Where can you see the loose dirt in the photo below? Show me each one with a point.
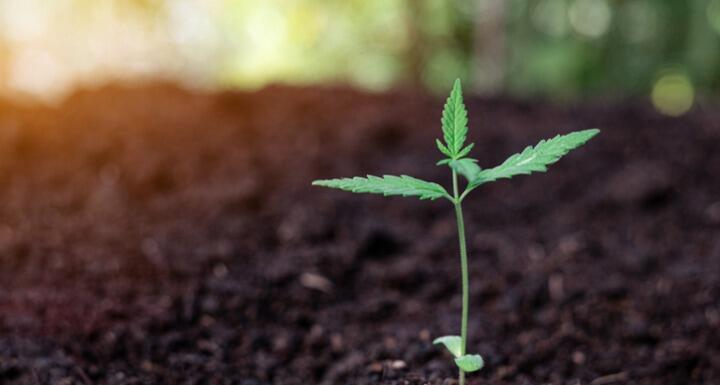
(152, 235)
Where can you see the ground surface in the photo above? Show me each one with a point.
(156, 236)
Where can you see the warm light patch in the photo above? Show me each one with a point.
(36, 71)
(49, 47)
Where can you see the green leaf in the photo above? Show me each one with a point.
(461, 155)
(466, 150)
(454, 121)
(452, 343)
(466, 167)
(443, 148)
(470, 363)
(387, 185)
(535, 159)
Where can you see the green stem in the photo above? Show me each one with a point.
(464, 271)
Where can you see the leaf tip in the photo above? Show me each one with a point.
(457, 84)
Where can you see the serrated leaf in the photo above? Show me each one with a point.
(443, 148)
(537, 158)
(387, 185)
(463, 153)
(470, 363)
(454, 121)
(452, 343)
(466, 167)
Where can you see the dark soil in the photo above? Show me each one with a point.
(150, 235)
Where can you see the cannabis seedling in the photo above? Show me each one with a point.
(454, 127)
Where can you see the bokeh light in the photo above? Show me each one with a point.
(673, 93)
(550, 16)
(590, 18)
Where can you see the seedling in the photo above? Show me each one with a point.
(454, 127)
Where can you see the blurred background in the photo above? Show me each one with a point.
(667, 51)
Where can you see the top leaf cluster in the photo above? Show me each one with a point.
(455, 128)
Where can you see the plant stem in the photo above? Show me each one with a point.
(464, 271)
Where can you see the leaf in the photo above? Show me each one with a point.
(470, 362)
(466, 150)
(466, 167)
(387, 185)
(535, 159)
(443, 148)
(454, 121)
(452, 343)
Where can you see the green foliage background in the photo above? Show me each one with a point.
(377, 43)
(558, 48)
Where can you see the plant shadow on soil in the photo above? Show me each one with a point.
(150, 235)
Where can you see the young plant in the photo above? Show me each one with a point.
(454, 127)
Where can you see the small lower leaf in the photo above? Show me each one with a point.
(470, 362)
(452, 343)
(466, 167)
(443, 148)
(465, 151)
